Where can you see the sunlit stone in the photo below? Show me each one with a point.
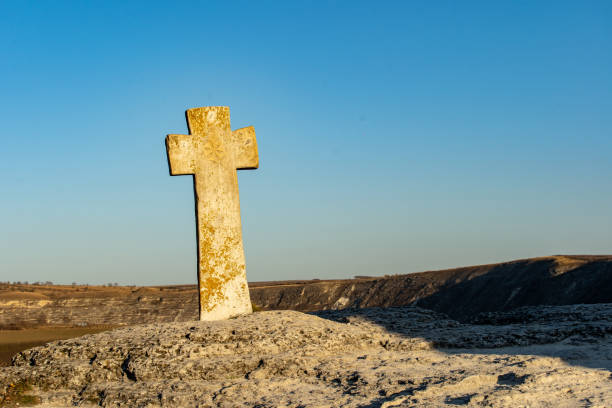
(212, 152)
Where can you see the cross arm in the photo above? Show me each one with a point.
(245, 144)
(182, 151)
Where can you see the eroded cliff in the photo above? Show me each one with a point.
(461, 293)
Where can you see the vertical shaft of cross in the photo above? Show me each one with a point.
(213, 153)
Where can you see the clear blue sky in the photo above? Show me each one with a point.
(394, 137)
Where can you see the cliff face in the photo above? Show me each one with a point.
(460, 293)
(93, 306)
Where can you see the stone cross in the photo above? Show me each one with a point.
(212, 152)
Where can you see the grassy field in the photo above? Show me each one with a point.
(14, 341)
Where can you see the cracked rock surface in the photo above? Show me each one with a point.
(406, 356)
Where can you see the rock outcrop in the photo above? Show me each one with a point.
(376, 357)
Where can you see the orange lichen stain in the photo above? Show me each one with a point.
(216, 267)
(200, 120)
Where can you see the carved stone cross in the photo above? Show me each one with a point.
(212, 152)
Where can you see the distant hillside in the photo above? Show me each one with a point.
(461, 293)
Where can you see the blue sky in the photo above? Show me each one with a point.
(394, 137)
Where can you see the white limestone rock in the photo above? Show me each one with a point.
(401, 357)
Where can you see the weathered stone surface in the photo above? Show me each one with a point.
(212, 153)
(352, 358)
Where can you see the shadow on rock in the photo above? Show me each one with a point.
(551, 281)
(577, 334)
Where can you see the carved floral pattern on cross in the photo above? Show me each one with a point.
(213, 149)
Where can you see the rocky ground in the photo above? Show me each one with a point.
(556, 356)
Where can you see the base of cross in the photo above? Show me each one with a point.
(234, 299)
